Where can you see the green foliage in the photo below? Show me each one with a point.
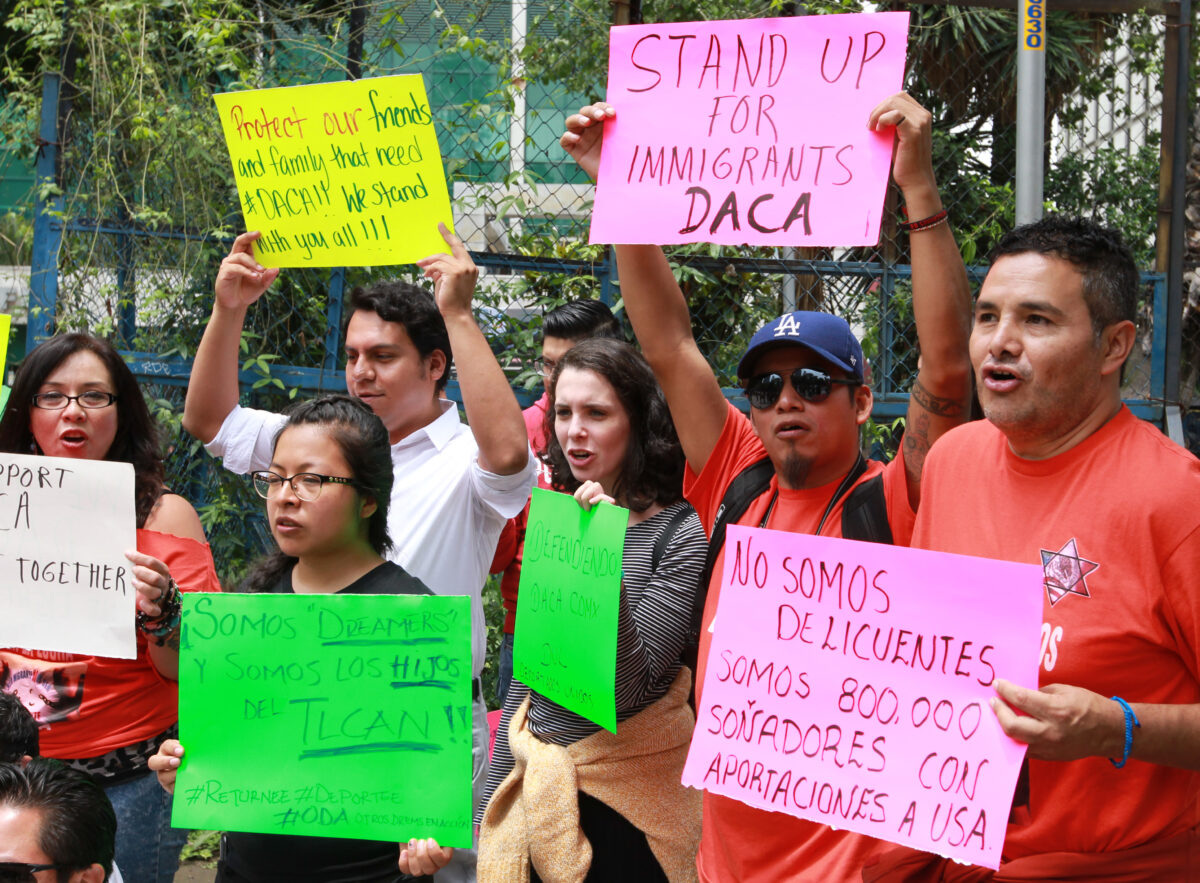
(231, 513)
(203, 847)
(16, 239)
(1115, 187)
(493, 614)
(881, 438)
(727, 301)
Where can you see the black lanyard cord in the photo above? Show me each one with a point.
(860, 466)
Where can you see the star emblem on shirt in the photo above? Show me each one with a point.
(1065, 572)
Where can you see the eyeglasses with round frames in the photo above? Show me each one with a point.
(305, 485)
(544, 366)
(93, 399)
(812, 385)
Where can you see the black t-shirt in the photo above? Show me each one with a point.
(281, 858)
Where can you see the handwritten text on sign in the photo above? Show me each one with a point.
(338, 174)
(363, 702)
(566, 633)
(748, 131)
(848, 683)
(64, 581)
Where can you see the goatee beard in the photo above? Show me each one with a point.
(793, 471)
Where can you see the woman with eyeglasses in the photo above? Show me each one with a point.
(75, 397)
(327, 492)
(566, 800)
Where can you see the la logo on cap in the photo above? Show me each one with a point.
(787, 326)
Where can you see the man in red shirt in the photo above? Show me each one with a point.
(805, 377)
(1061, 474)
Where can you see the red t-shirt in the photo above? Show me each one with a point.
(1115, 525)
(90, 705)
(739, 842)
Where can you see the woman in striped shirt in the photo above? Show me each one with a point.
(566, 800)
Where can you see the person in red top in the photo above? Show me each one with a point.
(805, 377)
(562, 328)
(75, 397)
(1062, 475)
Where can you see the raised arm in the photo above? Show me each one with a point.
(659, 314)
(213, 387)
(941, 394)
(492, 409)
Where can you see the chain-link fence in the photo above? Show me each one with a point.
(147, 205)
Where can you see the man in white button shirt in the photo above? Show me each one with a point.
(454, 490)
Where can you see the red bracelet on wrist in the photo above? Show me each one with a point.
(926, 223)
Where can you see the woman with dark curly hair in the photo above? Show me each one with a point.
(74, 396)
(565, 799)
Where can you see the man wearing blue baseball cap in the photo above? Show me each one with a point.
(805, 377)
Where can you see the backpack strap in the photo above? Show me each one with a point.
(668, 533)
(864, 516)
(747, 486)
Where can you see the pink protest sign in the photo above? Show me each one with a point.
(750, 131)
(848, 683)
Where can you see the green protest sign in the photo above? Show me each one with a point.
(332, 715)
(566, 634)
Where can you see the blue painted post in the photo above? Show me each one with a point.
(1159, 352)
(608, 275)
(47, 222)
(887, 287)
(126, 296)
(333, 313)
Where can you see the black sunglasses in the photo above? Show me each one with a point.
(812, 385)
(22, 872)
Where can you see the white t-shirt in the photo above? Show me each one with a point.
(446, 511)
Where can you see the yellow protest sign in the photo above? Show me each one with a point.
(338, 174)
(5, 330)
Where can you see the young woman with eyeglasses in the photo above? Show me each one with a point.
(327, 492)
(75, 397)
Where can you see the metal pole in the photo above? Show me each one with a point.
(1031, 109)
(517, 134)
(516, 130)
(1172, 83)
(354, 46)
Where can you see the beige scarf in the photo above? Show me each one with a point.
(534, 814)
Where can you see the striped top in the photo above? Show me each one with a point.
(653, 619)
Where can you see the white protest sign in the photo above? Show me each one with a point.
(65, 583)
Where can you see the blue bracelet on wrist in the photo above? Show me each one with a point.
(1131, 721)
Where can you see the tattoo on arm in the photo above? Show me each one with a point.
(916, 444)
(937, 405)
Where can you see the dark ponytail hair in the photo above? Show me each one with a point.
(363, 441)
(653, 468)
(136, 440)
